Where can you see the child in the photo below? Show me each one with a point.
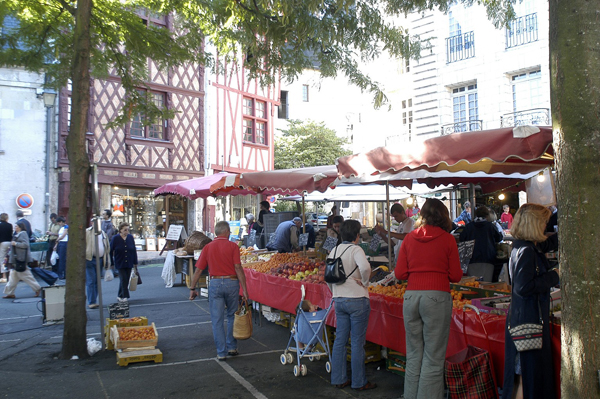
(307, 307)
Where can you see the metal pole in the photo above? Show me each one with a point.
(304, 221)
(389, 223)
(97, 231)
(472, 198)
(48, 150)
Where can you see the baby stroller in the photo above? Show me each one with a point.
(308, 330)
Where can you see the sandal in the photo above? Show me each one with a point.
(9, 297)
(368, 385)
(344, 385)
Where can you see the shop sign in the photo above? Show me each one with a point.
(25, 201)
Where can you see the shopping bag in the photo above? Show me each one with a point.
(133, 279)
(469, 374)
(54, 258)
(49, 277)
(108, 275)
(137, 272)
(242, 322)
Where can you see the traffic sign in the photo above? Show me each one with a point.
(25, 201)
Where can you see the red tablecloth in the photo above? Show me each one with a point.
(386, 322)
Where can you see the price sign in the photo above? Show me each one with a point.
(330, 243)
(119, 310)
(465, 252)
(251, 238)
(303, 240)
(271, 243)
(375, 241)
(174, 232)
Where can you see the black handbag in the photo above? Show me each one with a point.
(20, 265)
(527, 336)
(334, 269)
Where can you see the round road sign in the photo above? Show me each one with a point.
(25, 201)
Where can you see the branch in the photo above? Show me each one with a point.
(256, 10)
(68, 7)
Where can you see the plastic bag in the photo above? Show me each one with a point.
(133, 280)
(54, 258)
(93, 346)
(108, 275)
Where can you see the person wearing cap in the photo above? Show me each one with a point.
(286, 236)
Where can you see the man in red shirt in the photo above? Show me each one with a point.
(222, 257)
(506, 216)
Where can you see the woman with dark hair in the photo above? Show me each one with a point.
(20, 253)
(260, 225)
(529, 374)
(352, 308)
(124, 256)
(61, 248)
(429, 260)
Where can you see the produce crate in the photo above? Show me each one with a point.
(396, 362)
(472, 292)
(495, 286)
(137, 321)
(467, 279)
(148, 355)
(119, 344)
(488, 305)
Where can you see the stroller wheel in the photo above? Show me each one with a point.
(296, 371)
(289, 358)
(318, 357)
(283, 359)
(303, 370)
(328, 366)
(311, 358)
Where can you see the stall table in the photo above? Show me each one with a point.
(40, 248)
(386, 321)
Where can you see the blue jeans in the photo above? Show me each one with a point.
(427, 316)
(352, 320)
(223, 293)
(91, 280)
(62, 260)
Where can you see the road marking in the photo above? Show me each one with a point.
(18, 318)
(199, 360)
(241, 380)
(9, 340)
(102, 385)
(158, 328)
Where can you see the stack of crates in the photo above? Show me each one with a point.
(131, 322)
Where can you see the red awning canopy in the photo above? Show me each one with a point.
(281, 181)
(523, 149)
(200, 187)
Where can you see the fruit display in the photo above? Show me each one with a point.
(398, 290)
(129, 320)
(136, 333)
(304, 270)
(246, 251)
(474, 284)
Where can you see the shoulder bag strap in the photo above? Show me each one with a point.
(347, 248)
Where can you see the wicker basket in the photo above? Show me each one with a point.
(242, 323)
(196, 240)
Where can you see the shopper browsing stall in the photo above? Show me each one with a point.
(429, 260)
(352, 308)
(286, 236)
(529, 374)
(61, 248)
(20, 256)
(222, 257)
(486, 236)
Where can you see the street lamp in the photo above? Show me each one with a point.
(49, 96)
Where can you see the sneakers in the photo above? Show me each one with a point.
(122, 299)
(221, 358)
(233, 352)
(93, 306)
(2, 280)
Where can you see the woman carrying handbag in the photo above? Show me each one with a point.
(529, 373)
(20, 256)
(124, 255)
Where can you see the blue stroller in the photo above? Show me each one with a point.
(308, 330)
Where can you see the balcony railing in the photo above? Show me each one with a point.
(522, 30)
(460, 47)
(534, 116)
(460, 127)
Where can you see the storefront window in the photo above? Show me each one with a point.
(141, 210)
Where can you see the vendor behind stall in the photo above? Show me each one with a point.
(312, 237)
(286, 236)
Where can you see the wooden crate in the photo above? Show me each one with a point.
(118, 344)
(120, 323)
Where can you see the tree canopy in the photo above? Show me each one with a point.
(308, 144)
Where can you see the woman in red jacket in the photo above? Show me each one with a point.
(429, 260)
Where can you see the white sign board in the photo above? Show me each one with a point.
(176, 231)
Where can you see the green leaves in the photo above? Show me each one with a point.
(308, 144)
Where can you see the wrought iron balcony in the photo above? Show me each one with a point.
(460, 127)
(460, 47)
(534, 116)
(522, 30)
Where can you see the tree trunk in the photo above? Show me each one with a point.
(74, 337)
(575, 84)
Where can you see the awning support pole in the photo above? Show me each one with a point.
(389, 223)
(304, 221)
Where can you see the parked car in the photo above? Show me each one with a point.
(318, 221)
(322, 223)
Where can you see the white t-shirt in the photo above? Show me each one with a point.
(61, 231)
(357, 283)
(405, 227)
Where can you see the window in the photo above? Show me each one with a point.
(465, 108)
(305, 93)
(282, 111)
(407, 118)
(152, 129)
(254, 124)
(527, 90)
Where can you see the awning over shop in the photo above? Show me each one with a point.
(523, 149)
(200, 187)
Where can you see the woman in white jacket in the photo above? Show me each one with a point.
(352, 309)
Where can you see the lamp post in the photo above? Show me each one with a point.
(49, 97)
